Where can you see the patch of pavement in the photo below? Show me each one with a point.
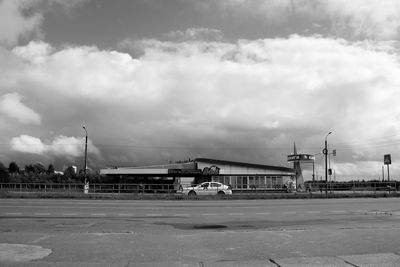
(310, 262)
(21, 252)
(379, 259)
(240, 225)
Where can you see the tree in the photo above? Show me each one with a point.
(39, 168)
(4, 175)
(50, 169)
(29, 168)
(13, 168)
(70, 173)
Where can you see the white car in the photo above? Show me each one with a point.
(207, 188)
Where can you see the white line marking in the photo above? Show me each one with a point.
(236, 214)
(263, 213)
(209, 214)
(98, 214)
(153, 214)
(181, 214)
(70, 214)
(289, 212)
(313, 211)
(41, 214)
(338, 211)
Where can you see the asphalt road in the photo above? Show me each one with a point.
(197, 233)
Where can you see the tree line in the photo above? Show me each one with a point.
(38, 173)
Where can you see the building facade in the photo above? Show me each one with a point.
(239, 175)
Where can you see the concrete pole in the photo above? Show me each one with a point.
(86, 141)
(326, 162)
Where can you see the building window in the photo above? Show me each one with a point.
(227, 180)
(261, 181)
(234, 182)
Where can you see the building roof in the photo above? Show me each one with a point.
(243, 164)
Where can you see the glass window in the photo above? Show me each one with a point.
(279, 181)
(227, 180)
(262, 181)
(239, 182)
(273, 179)
(205, 185)
(245, 179)
(234, 182)
(251, 180)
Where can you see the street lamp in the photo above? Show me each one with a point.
(326, 162)
(84, 171)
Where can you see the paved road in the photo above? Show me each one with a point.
(199, 233)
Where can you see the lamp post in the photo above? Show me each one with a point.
(326, 162)
(85, 167)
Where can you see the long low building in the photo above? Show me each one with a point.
(238, 175)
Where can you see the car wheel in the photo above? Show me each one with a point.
(192, 193)
(221, 193)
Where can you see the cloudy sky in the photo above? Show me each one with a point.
(164, 80)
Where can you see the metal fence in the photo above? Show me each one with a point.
(171, 188)
(93, 188)
(353, 186)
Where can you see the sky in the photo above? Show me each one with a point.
(156, 81)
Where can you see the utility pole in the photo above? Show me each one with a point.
(326, 162)
(313, 170)
(85, 167)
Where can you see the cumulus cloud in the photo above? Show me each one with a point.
(363, 19)
(204, 34)
(36, 51)
(11, 106)
(61, 146)
(246, 100)
(28, 144)
(20, 19)
(13, 24)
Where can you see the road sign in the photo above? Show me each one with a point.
(301, 158)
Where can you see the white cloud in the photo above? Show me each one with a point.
(13, 24)
(20, 19)
(204, 34)
(28, 144)
(11, 105)
(72, 146)
(370, 19)
(247, 100)
(61, 146)
(374, 19)
(35, 52)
